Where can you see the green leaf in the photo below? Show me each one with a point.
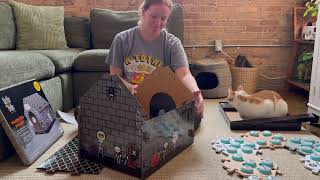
(305, 57)
(312, 8)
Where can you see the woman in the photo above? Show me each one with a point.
(136, 52)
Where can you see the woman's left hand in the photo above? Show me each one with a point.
(199, 103)
(188, 80)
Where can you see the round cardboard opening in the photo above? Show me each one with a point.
(161, 103)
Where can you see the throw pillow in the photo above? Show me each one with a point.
(39, 27)
(8, 28)
(106, 24)
(77, 30)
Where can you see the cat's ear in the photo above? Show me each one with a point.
(240, 88)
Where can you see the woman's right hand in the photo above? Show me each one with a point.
(199, 103)
(133, 88)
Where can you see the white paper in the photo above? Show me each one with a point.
(68, 118)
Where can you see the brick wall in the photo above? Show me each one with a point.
(236, 22)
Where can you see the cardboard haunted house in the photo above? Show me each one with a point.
(136, 133)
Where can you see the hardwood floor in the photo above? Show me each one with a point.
(297, 101)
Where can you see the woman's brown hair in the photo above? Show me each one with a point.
(145, 5)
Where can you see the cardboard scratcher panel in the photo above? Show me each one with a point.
(167, 83)
(312, 163)
(245, 169)
(287, 123)
(265, 139)
(228, 146)
(303, 146)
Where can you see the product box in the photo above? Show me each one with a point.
(28, 120)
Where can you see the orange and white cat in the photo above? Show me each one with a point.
(263, 104)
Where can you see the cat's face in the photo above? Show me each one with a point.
(232, 95)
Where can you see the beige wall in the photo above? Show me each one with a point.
(241, 22)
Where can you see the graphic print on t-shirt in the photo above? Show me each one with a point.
(139, 66)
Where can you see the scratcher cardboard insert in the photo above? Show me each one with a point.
(287, 123)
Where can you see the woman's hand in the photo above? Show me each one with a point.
(118, 71)
(199, 103)
(133, 88)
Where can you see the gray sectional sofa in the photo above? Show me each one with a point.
(65, 74)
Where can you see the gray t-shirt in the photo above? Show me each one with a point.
(138, 58)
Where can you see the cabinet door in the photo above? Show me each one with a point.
(314, 94)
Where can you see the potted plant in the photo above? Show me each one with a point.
(312, 8)
(304, 66)
(309, 29)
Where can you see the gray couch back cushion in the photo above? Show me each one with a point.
(92, 60)
(175, 24)
(77, 31)
(106, 24)
(7, 27)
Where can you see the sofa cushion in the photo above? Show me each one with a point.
(106, 24)
(61, 58)
(8, 27)
(92, 60)
(39, 27)
(18, 66)
(77, 30)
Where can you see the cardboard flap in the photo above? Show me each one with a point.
(160, 83)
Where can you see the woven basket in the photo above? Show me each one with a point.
(247, 77)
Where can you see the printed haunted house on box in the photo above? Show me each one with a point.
(136, 134)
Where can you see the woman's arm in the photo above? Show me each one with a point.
(114, 70)
(188, 80)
